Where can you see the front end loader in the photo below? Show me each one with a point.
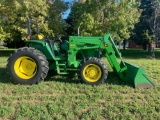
(30, 64)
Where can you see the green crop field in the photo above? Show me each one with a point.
(66, 98)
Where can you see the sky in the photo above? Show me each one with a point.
(67, 0)
(68, 11)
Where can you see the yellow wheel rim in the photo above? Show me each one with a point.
(92, 73)
(25, 67)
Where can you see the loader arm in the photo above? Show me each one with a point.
(111, 52)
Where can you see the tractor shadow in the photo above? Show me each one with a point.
(113, 79)
(72, 78)
(4, 77)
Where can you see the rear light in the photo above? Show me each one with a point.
(28, 37)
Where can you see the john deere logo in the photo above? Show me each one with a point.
(72, 45)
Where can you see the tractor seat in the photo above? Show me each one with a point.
(51, 45)
(54, 49)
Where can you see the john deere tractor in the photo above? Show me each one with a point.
(30, 64)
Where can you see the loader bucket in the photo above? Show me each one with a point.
(137, 76)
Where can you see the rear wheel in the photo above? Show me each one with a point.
(92, 71)
(27, 66)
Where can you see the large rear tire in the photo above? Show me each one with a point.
(92, 71)
(27, 66)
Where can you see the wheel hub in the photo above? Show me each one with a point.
(92, 73)
(28, 67)
(25, 67)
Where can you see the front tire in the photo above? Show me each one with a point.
(27, 66)
(92, 71)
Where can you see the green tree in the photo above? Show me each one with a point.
(142, 28)
(96, 17)
(55, 20)
(15, 12)
(13, 15)
(154, 20)
(4, 12)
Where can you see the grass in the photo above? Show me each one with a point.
(65, 97)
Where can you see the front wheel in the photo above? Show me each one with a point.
(92, 71)
(27, 66)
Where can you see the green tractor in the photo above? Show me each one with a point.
(30, 64)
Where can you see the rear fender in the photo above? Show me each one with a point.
(41, 46)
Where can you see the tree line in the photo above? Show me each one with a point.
(137, 20)
(13, 15)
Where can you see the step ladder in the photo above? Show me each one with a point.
(61, 67)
